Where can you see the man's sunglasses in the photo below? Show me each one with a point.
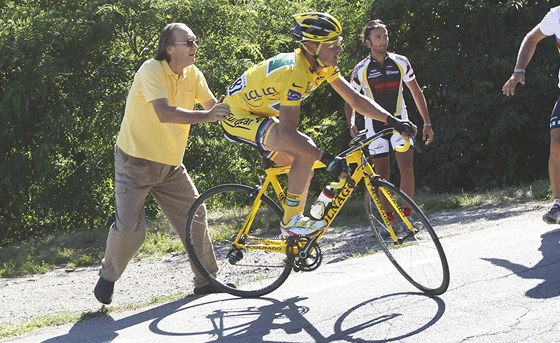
(188, 43)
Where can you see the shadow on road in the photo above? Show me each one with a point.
(255, 323)
(391, 317)
(104, 329)
(546, 269)
(395, 312)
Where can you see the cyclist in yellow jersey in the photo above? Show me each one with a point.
(265, 109)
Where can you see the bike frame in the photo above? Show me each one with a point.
(364, 171)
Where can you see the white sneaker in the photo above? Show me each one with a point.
(301, 225)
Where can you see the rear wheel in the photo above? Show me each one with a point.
(242, 272)
(416, 251)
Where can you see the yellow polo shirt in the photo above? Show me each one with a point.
(141, 134)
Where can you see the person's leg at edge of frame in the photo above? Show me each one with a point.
(176, 196)
(553, 215)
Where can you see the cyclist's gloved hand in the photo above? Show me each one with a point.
(335, 165)
(403, 126)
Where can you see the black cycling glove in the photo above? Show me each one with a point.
(335, 165)
(400, 125)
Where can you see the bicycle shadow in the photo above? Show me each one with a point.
(358, 324)
(387, 317)
(546, 269)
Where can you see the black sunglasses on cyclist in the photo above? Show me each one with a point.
(188, 43)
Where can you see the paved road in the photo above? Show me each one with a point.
(505, 287)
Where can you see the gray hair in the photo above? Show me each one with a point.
(166, 38)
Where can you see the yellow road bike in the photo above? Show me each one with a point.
(254, 260)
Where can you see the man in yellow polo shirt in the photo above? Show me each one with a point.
(149, 153)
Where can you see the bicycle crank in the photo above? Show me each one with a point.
(305, 254)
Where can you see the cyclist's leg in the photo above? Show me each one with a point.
(301, 172)
(175, 196)
(262, 133)
(285, 159)
(405, 164)
(246, 127)
(379, 150)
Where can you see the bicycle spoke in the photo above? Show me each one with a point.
(246, 264)
(416, 252)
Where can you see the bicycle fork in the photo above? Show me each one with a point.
(373, 189)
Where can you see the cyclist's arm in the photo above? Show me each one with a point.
(290, 139)
(359, 102)
(524, 56)
(178, 115)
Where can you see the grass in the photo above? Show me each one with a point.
(80, 249)
(66, 317)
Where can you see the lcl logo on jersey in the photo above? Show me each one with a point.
(255, 94)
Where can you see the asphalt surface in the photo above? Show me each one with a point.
(505, 287)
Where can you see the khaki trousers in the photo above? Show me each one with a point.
(173, 190)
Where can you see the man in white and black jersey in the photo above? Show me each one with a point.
(380, 76)
(549, 25)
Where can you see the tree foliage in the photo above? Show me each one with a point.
(462, 53)
(66, 67)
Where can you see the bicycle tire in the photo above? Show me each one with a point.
(419, 257)
(253, 273)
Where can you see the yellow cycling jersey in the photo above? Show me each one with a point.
(283, 80)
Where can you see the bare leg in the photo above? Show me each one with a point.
(301, 172)
(406, 169)
(554, 162)
(383, 167)
(284, 159)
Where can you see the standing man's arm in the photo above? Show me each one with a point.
(214, 111)
(367, 107)
(350, 119)
(524, 56)
(422, 106)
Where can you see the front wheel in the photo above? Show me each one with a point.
(413, 247)
(244, 272)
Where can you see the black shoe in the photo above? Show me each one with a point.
(210, 288)
(104, 291)
(553, 215)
